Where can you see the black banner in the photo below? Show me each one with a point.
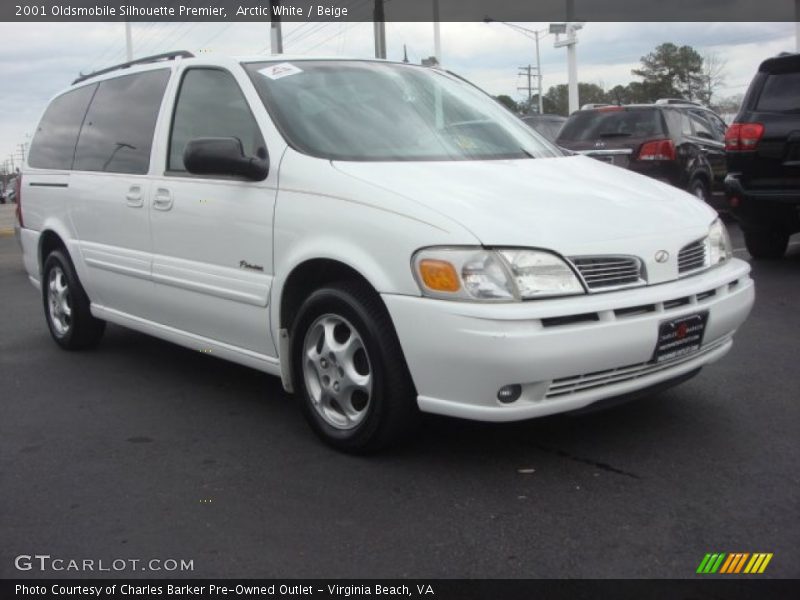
(711, 588)
(400, 10)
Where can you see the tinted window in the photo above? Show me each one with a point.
(584, 126)
(117, 134)
(686, 124)
(364, 110)
(53, 145)
(549, 128)
(210, 104)
(702, 128)
(780, 93)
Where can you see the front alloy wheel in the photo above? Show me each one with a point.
(337, 372)
(349, 370)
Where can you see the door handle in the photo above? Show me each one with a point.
(134, 197)
(162, 199)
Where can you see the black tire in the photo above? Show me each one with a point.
(79, 330)
(390, 410)
(765, 244)
(699, 189)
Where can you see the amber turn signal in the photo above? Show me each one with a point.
(439, 275)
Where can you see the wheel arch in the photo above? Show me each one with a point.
(50, 240)
(308, 276)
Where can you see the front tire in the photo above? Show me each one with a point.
(766, 244)
(354, 386)
(66, 306)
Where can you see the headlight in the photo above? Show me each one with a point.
(503, 275)
(719, 243)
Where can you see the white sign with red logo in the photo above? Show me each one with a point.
(280, 71)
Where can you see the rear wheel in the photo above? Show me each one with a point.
(766, 244)
(349, 370)
(66, 306)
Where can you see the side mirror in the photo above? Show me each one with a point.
(223, 156)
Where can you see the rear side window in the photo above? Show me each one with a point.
(780, 93)
(117, 134)
(211, 104)
(53, 145)
(591, 125)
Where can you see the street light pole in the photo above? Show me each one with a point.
(379, 25)
(533, 34)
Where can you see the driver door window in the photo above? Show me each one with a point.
(210, 104)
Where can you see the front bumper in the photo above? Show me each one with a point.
(567, 353)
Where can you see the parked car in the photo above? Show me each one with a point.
(10, 192)
(547, 125)
(763, 152)
(680, 144)
(446, 259)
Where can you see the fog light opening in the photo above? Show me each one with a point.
(509, 393)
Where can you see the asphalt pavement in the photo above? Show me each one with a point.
(145, 450)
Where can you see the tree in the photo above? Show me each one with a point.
(713, 76)
(556, 100)
(671, 71)
(728, 106)
(508, 102)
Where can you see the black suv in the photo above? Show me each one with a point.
(763, 151)
(675, 141)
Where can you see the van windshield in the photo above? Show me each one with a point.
(372, 111)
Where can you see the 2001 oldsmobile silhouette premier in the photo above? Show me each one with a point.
(384, 237)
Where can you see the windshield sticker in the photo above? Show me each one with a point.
(280, 71)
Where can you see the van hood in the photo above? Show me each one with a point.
(569, 204)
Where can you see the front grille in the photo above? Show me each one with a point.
(606, 272)
(579, 383)
(692, 257)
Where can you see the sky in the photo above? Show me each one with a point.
(37, 60)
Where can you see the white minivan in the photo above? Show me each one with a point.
(385, 237)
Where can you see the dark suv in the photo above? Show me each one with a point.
(675, 141)
(763, 150)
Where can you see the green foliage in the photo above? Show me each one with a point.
(508, 102)
(671, 71)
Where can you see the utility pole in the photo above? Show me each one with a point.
(529, 88)
(128, 42)
(379, 25)
(535, 36)
(437, 38)
(275, 32)
(797, 25)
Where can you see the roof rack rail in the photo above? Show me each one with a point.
(677, 101)
(139, 61)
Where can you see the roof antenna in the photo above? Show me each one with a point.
(405, 54)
